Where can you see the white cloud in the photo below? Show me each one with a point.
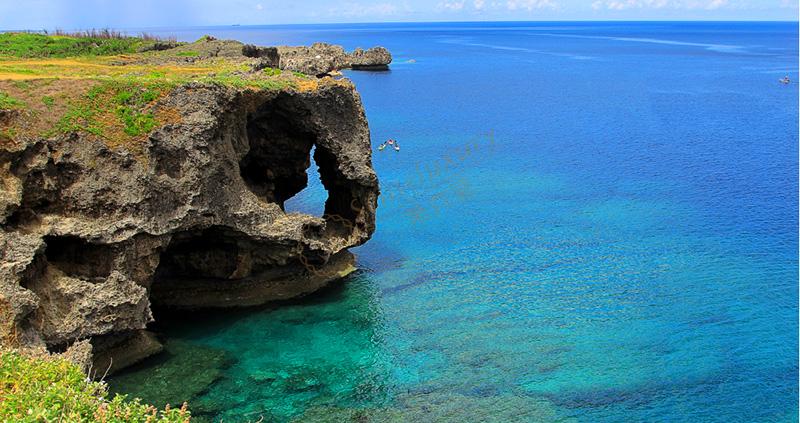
(259, 6)
(360, 10)
(530, 5)
(479, 4)
(658, 4)
(450, 5)
(788, 4)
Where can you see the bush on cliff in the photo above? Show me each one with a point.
(28, 45)
(53, 389)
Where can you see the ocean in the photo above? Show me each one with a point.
(590, 222)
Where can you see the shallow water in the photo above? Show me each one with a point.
(587, 222)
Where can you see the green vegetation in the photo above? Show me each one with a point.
(80, 117)
(8, 102)
(129, 105)
(51, 389)
(7, 134)
(272, 71)
(131, 102)
(23, 85)
(27, 45)
(84, 83)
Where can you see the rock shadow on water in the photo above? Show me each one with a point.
(271, 362)
(181, 373)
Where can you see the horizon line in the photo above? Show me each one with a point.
(422, 22)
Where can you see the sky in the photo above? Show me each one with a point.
(120, 14)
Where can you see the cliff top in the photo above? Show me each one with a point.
(108, 85)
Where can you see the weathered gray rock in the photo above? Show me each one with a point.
(322, 58)
(319, 59)
(376, 58)
(93, 235)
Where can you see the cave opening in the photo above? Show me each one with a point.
(218, 254)
(279, 153)
(285, 145)
(311, 200)
(284, 148)
(76, 257)
(211, 253)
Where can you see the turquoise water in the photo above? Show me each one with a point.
(591, 222)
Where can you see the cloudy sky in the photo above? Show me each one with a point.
(75, 14)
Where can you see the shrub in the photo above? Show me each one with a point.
(272, 71)
(8, 102)
(21, 44)
(52, 389)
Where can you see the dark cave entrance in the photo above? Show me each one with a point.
(77, 257)
(198, 266)
(212, 253)
(284, 148)
(280, 150)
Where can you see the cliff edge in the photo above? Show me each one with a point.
(159, 178)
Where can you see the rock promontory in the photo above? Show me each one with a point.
(318, 59)
(160, 178)
(321, 58)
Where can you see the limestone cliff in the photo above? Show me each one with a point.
(96, 231)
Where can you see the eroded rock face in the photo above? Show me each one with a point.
(92, 236)
(322, 58)
(315, 60)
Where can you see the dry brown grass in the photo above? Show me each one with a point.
(39, 117)
(29, 69)
(8, 328)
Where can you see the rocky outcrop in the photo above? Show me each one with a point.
(93, 236)
(322, 58)
(319, 59)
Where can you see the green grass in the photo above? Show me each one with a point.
(233, 80)
(51, 389)
(7, 102)
(127, 98)
(23, 85)
(272, 71)
(187, 54)
(80, 118)
(8, 134)
(27, 45)
(48, 101)
(129, 103)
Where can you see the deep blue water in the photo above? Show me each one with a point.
(592, 222)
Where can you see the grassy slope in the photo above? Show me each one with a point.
(26, 45)
(119, 89)
(52, 389)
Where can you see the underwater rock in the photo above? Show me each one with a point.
(179, 375)
(440, 407)
(118, 351)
